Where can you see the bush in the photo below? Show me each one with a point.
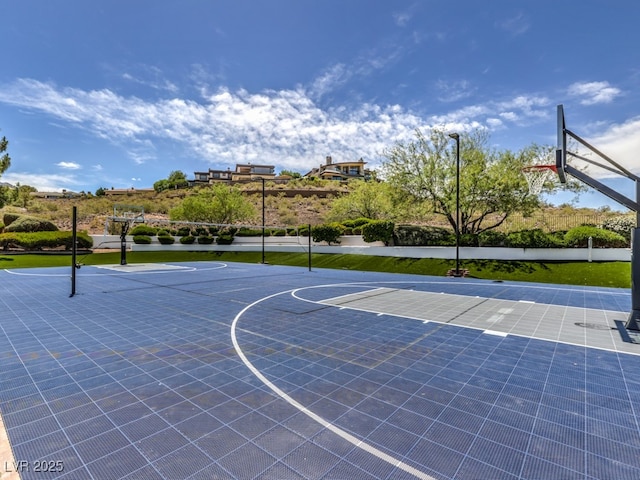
(141, 239)
(492, 238)
(205, 239)
(9, 218)
(213, 230)
(534, 238)
(143, 230)
(224, 239)
(249, 232)
(163, 233)
(326, 233)
(166, 239)
(187, 240)
(579, 237)
(378, 230)
(622, 225)
(29, 224)
(184, 232)
(201, 231)
(281, 232)
(468, 240)
(415, 236)
(358, 222)
(40, 240)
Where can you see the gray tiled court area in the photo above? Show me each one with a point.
(206, 370)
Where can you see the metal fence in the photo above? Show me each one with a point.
(546, 222)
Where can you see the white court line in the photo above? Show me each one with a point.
(119, 273)
(326, 424)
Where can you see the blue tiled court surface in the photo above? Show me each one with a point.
(207, 370)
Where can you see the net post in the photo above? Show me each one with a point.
(309, 249)
(74, 243)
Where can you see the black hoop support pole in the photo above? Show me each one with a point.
(74, 249)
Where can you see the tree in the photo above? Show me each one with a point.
(5, 163)
(220, 204)
(291, 173)
(372, 200)
(177, 179)
(23, 196)
(492, 186)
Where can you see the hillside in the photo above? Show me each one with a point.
(284, 206)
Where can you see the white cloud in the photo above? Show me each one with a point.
(453, 91)
(401, 19)
(516, 25)
(68, 165)
(594, 92)
(43, 183)
(286, 128)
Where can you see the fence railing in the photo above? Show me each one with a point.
(547, 223)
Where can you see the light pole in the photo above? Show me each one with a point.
(263, 219)
(456, 137)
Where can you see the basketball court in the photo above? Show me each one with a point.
(212, 370)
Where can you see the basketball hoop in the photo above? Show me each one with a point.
(536, 175)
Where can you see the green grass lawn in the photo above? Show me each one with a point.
(605, 274)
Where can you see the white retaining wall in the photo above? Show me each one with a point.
(355, 245)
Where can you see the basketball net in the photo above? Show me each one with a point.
(536, 175)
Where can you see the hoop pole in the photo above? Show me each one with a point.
(74, 242)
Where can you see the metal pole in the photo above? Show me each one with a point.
(456, 137)
(74, 238)
(309, 249)
(263, 219)
(457, 205)
(634, 316)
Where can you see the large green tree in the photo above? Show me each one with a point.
(374, 200)
(492, 186)
(177, 179)
(220, 204)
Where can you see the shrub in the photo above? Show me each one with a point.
(143, 230)
(378, 230)
(579, 237)
(622, 225)
(280, 232)
(40, 240)
(187, 240)
(205, 239)
(224, 239)
(142, 239)
(468, 240)
(162, 233)
(415, 236)
(492, 238)
(201, 231)
(249, 232)
(303, 231)
(213, 230)
(166, 239)
(358, 222)
(184, 232)
(534, 238)
(30, 224)
(329, 233)
(9, 218)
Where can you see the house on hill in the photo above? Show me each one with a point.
(242, 172)
(340, 171)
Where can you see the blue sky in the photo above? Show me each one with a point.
(120, 93)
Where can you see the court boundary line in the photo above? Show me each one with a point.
(355, 441)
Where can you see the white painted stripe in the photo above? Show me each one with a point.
(497, 334)
(328, 425)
